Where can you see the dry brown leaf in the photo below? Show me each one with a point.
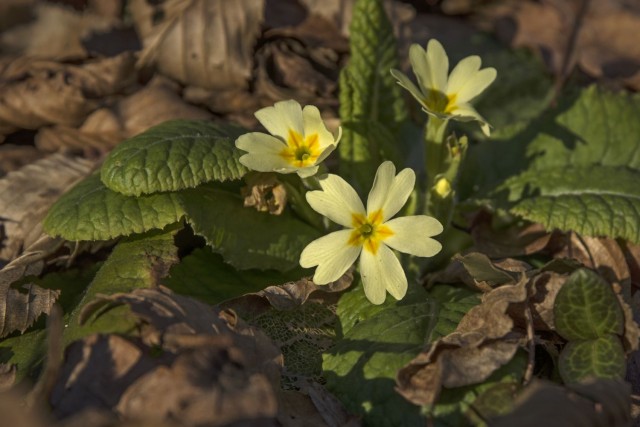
(596, 403)
(605, 46)
(27, 194)
(265, 193)
(18, 310)
(329, 407)
(7, 376)
(192, 41)
(214, 369)
(35, 93)
(484, 341)
(55, 33)
(14, 157)
(289, 69)
(69, 140)
(477, 271)
(96, 372)
(212, 385)
(157, 102)
(289, 296)
(512, 241)
(170, 318)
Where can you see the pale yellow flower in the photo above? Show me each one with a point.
(442, 96)
(370, 233)
(299, 140)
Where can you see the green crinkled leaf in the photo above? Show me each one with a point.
(571, 168)
(601, 357)
(204, 275)
(245, 237)
(172, 156)
(586, 308)
(90, 211)
(135, 262)
(370, 99)
(361, 368)
(591, 200)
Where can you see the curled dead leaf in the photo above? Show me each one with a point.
(604, 45)
(212, 371)
(27, 194)
(288, 296)
(7, 376)
(601, 402)
(512, 241)
(192, 42)
(56, 32)
(14, 157)
(157, 102)
(484, 341)
(19, 310)
(35, 93)
(265, 193)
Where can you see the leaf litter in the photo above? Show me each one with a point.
(183, 357)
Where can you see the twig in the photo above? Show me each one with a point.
(528, 374)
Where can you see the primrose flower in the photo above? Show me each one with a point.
(370, 233)
(299, 140)
(442, 96)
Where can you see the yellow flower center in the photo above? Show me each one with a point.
(369, 232)
(301, 150)
(440, 102)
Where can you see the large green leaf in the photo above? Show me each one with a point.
(371, 103)
(172, 156)
(592, 200)
(136, 262)
(204, 275)
(361, 368)
(90, 211)
(601, 357)
(586, 308)
(571, 168)
(245, 237)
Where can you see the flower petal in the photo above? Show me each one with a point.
(390, 192)
(406, 83)
(411, 235)
(258, 142)
(307, 172)
(380, 273)
(282, 117)
(332, 254)
(313, 124)
(263, 153)
(466, 113)
(462, 73)
(420, 67)
(476, 84)
(438, 62)
(337, 200)
(266, 163)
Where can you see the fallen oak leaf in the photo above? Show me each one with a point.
(483, 341)
(56, 32)
(512, 241)
(599, 402)
(192, 42)
(19, 310)
(35, 93)
(212, 371)
(27, 194)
